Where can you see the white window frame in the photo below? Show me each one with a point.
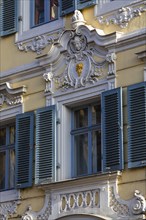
(7, 115)
(25, 32)
(64, 102)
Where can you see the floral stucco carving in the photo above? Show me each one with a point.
(37, 44)
(8, 209)
(123, 16)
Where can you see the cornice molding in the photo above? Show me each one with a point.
(11, 96)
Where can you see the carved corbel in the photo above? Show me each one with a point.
(48, 77)
(111, 59)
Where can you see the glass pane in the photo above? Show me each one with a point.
(81, 118)
(12, 169)
(2, 136)
(39, 11)
(81, 147)
(2, 170)
(12, 134)
(96, 114)
(96, 151)
(54, 9)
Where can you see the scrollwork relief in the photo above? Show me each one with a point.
(138, 205)
(123, 16)
(38, 44)
(81, 68)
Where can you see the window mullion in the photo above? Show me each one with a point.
(89, 153)
(47, 11)
(7, 164)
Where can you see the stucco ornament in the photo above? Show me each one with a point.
(139, 203)
(11, 96)
(81, 68)
(123, 16)
(48, 77)
(8, 209)
(111, 59)
(37, 44)
(77, 19)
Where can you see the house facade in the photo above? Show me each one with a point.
(72, 110)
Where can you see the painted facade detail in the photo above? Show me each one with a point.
(11, 96)
(123, 16)
(139, 203)
(43, 214)
(117, 206)
(8, 209)
(38, 44)
(85, 61)
(78, 200)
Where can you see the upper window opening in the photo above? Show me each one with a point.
(44, 11)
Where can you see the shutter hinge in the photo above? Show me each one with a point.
(58, 121)
(20, 18)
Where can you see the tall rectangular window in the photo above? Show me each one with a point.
(7, 157)
(86, 140)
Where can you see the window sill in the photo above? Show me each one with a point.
(9, 195)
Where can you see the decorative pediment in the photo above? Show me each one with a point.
(79, 58)
(11, 96)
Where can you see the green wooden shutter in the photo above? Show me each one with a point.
(24, 149)
(8, 24)
(45, 145)
(85, 3)
(67, 6)
(112, 130)
(137, 125)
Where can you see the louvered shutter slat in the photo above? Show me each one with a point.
(85, 3)
(24, 149)
(67, 6)
(45, 145)
(112, 132)
(137, 125)
(8, 17)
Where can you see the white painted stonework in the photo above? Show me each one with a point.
(98, 198)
